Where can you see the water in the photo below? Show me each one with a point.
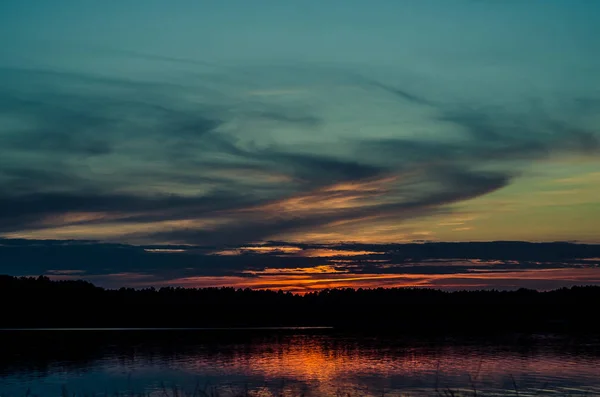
(292, 362)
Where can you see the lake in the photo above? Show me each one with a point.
(291, 362)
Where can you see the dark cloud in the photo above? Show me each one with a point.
(320, 169)
(288, 118)
(402, 94)
(241, 231)
(144, 151)
(163, 263)
(29, 212)
(255, 227)
(502, 135)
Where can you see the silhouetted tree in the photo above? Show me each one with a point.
(40, 302)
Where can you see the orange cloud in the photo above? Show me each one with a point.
(303, 280)
(327, 252)
(339, 196)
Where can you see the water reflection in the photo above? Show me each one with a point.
(293, 363)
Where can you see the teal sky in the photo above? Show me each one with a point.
(238, 122)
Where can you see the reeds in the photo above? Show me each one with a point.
(214, 391)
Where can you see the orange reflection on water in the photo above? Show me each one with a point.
(331, 365)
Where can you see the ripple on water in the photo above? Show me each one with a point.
(304, 363)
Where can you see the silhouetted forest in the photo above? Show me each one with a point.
(40, 302)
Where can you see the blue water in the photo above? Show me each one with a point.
(290, 362)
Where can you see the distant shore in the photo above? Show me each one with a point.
(39, 303)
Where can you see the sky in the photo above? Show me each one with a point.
(212, 130)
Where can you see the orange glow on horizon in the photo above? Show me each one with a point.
(319, 280)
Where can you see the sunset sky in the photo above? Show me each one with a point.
(300, 145)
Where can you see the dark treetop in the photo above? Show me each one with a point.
(40, 302)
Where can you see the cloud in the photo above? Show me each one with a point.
(289, 118)
(102, 151)
(402, 94)
(276, 264)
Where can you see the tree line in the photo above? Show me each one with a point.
(41, 302)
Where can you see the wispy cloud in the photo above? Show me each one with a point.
(82, 150)
(373, 134)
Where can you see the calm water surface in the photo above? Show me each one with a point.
(291, 362)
